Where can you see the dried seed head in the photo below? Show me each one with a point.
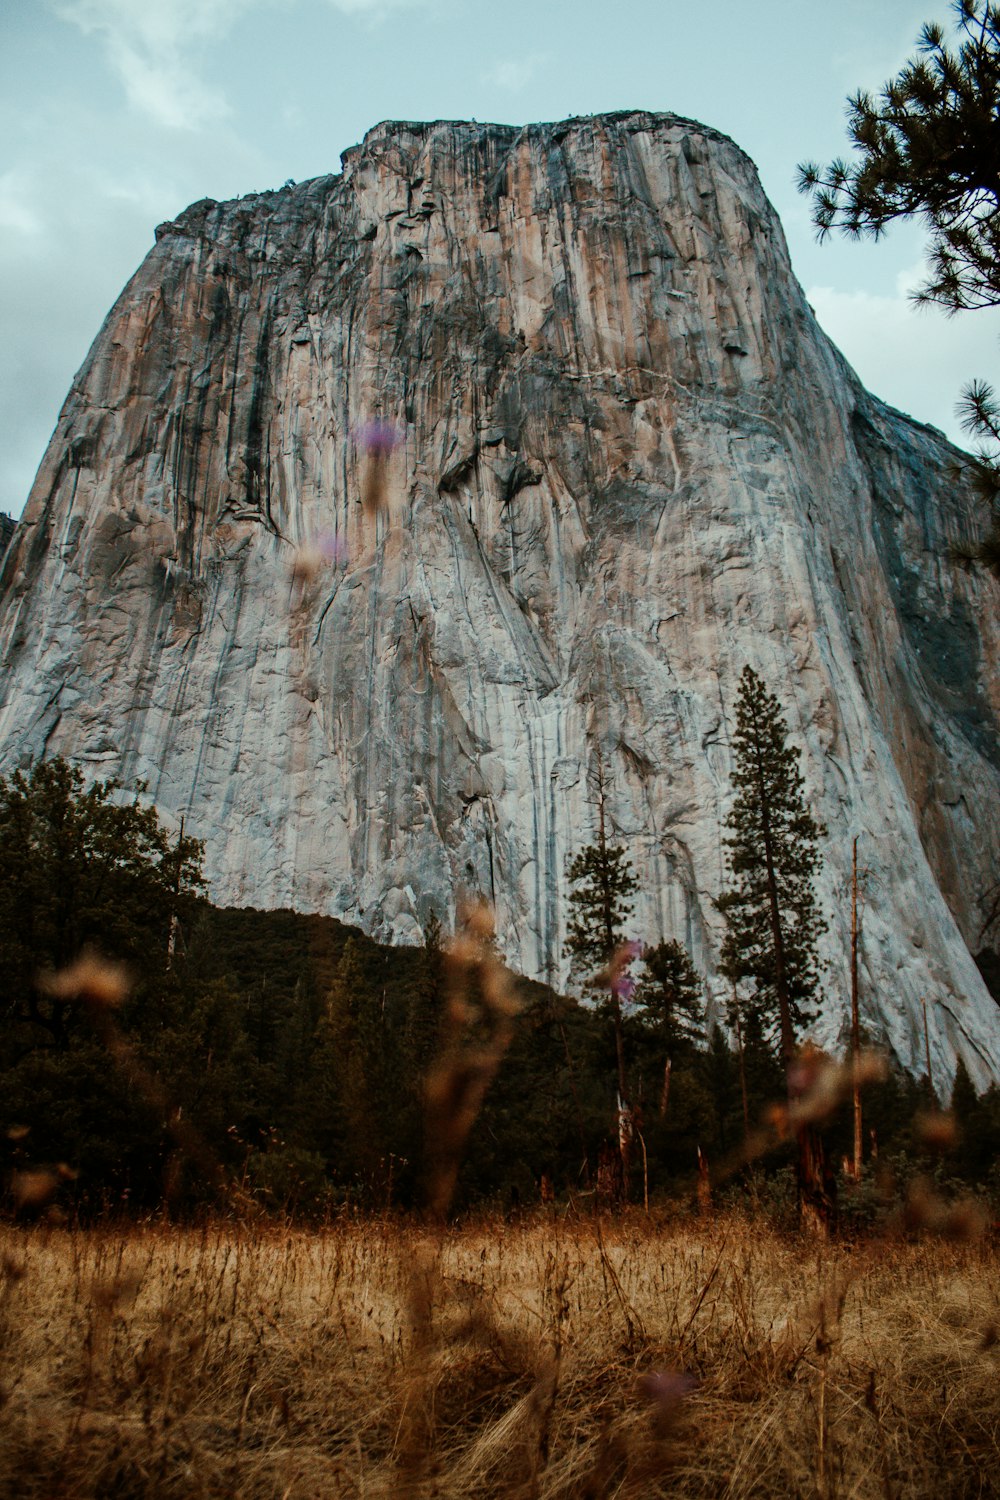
(315, 555)
(923, 1208)
(936, 1130)
(615, 976)
(498, 991)
(885, 1179)
(458, 1014)
(107, 1292)
(802, 1072)
(32, 1190)
(964, 1221)
(307, 562)
(463, 952)
(872, 1068)
(375, 488)
(92, 980)
(479, 922)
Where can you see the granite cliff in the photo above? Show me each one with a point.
(629, 462)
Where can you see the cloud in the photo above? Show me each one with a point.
(149, 45)
(152, 45)
(915, 358)
(16, 214)
(514, 72)
(375, 8)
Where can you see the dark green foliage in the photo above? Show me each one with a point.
(80, 867)
(963, 1096)
(771, 917)
(603, 884)
(928, 147)
(293, 1050)
(988, 963)
(721, 1072)
(89, 867)
(671, 996)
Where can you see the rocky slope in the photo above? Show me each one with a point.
(630, 463)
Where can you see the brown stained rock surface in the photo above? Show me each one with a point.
(629, 462)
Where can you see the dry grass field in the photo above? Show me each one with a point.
(552, 1357)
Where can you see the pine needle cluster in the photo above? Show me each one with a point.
(928, 147)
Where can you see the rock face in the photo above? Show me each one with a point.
(630, 463)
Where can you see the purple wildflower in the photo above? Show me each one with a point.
(667, 1389)
(623, 986)
(332, 547)
(378, 438)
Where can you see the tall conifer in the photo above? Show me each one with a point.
(770, 909)
(772, 920)
(603, 884)
(671, 994)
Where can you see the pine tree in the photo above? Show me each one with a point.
(927, 148)
(603, 884)
(964, 1098)
(670, 995)
(603, 881)
(771, 915)
(81, 867)
(772, 920)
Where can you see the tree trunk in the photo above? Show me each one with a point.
(817, 1183)
(665, 1091)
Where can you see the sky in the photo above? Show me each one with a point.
(115, 114)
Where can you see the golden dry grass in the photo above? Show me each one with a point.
(538, 1359)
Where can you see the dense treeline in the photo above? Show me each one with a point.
(284, 1054)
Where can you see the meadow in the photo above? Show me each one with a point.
(559, 1354)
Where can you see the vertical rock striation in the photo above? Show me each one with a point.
(630, 463)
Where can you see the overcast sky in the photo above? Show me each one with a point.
(115, 114)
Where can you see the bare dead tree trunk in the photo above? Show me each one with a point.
(665, 1091)
(704, 1185)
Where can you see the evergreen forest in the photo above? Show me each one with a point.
(158, 1053)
